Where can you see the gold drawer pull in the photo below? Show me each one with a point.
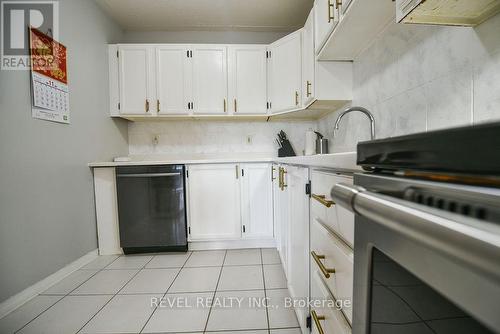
(317, 318)
(322, 199)
(283, 184)
(330, 14)
(326, 271)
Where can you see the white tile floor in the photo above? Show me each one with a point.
(114, 295)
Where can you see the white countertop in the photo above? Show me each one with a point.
(342, 161)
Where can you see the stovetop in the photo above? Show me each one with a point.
(472, 150)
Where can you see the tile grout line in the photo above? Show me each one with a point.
(65, 295)
(265, 291)
(156, 307)
(215, 292)
(138, 271)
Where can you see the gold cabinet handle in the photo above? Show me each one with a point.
(235, 106)
(317, 318)
(296, 98)
(326, 271)
(330, 14)
(338, 3)
(158, 105)
(322, 199)
(147, 105)
(283, 184)
(280, 177)
(308, 88)
(225, 105)
(237, 172)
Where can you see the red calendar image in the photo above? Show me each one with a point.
(49, 78)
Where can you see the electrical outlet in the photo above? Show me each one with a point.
(156, 140)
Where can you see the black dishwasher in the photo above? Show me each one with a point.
(151, 208)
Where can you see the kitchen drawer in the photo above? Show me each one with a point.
(333, 253)
(330, 318)
(335, 217)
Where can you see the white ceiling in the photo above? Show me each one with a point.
(236, 15)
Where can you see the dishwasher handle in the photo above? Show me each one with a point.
(148, 175)
(453, 235)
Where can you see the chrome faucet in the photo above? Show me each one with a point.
(360, 109)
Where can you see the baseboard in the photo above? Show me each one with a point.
(232, 244)
(22, 297)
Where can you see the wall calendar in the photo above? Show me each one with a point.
(49, 78)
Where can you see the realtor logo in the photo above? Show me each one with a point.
(16, 18)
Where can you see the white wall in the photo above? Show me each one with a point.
(417, 78)
(222, 37)
(214, 137)
(47, 216)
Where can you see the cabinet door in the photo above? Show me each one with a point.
(135, 79)
(173, 67)
(283, 224)
(285, 73)
(345, 5)
(256, 201)
(298, 250)
(308, 60)
(209, 79)
(214, 202)
(247, 79)
(325, 19)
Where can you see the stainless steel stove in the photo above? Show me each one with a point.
(427, 233)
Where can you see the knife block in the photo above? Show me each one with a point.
(286, 149)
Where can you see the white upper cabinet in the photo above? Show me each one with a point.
(247, 79)
(308, 60)
(256, 200)
(285, 73)
(209, 79)
(173, 79)
(214, 201)
(326, 18)
(135, 79)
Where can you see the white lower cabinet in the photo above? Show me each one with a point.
(281, 208)
(333, 254)
(325, 316)
(214, 201)
(256, 201)
(230, 201)
(323, 209)
(298, 249)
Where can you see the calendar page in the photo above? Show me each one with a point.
(49, 78)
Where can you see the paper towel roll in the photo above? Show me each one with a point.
(310, 147)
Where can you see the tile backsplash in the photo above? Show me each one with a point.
(418, 78)
(214, 137)
(413, 78)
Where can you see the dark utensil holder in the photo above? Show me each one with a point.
(286, 149)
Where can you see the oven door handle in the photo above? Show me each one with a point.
(455, 236)
(149, 174)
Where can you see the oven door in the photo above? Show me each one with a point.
(419, 269)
